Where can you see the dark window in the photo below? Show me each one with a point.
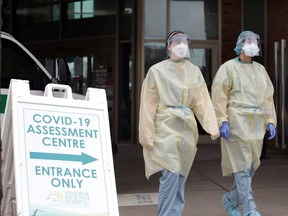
(17, 64)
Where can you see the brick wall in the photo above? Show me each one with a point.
(231, 27)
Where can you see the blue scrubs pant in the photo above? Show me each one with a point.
(171, 194)
(241, 194)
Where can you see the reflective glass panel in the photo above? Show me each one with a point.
(254, 20)
(125, 92)
(6, 20)
(102, 74)
(81, 9)
(38, 14)
(199, 19)
(154, 53)
(203, 59)
(5, 4)
(125, 21)
(32, 2)
(91, 8)
(78, 69)
(155, 19)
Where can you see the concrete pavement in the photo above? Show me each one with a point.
(205, 185)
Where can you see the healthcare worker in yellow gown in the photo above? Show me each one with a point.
(173, 95)
(242, 95)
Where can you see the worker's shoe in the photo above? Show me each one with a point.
(231, 210)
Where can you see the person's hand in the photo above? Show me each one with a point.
(271, 128)
(225, 130)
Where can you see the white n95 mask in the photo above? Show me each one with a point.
(180, 51)
(251, 50)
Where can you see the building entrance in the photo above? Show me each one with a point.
(90, 68)
(206, 57)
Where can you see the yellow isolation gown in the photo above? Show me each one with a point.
(173, 93)
(242, 95)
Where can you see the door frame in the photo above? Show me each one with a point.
(213, 45)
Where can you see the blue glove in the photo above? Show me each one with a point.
(225, 130)
(272, 130)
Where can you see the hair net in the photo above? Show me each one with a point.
(243, 35)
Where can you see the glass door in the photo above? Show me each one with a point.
(124, 92)
(205, 56)
(86, 69)
(102, 76)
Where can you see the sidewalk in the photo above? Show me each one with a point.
(205, 185)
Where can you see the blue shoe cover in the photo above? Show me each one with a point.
(256, 213)
(231, 210)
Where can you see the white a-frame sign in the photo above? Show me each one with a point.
(63, 162)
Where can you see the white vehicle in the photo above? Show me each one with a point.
(19, 63)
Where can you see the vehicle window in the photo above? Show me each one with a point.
(17, 64)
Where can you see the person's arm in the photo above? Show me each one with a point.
(269, 109)
(204, 110)
(220, 90)
(148, 106)
(269, 103)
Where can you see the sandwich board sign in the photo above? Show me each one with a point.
(63, 164)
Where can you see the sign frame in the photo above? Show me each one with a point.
(36, 150)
